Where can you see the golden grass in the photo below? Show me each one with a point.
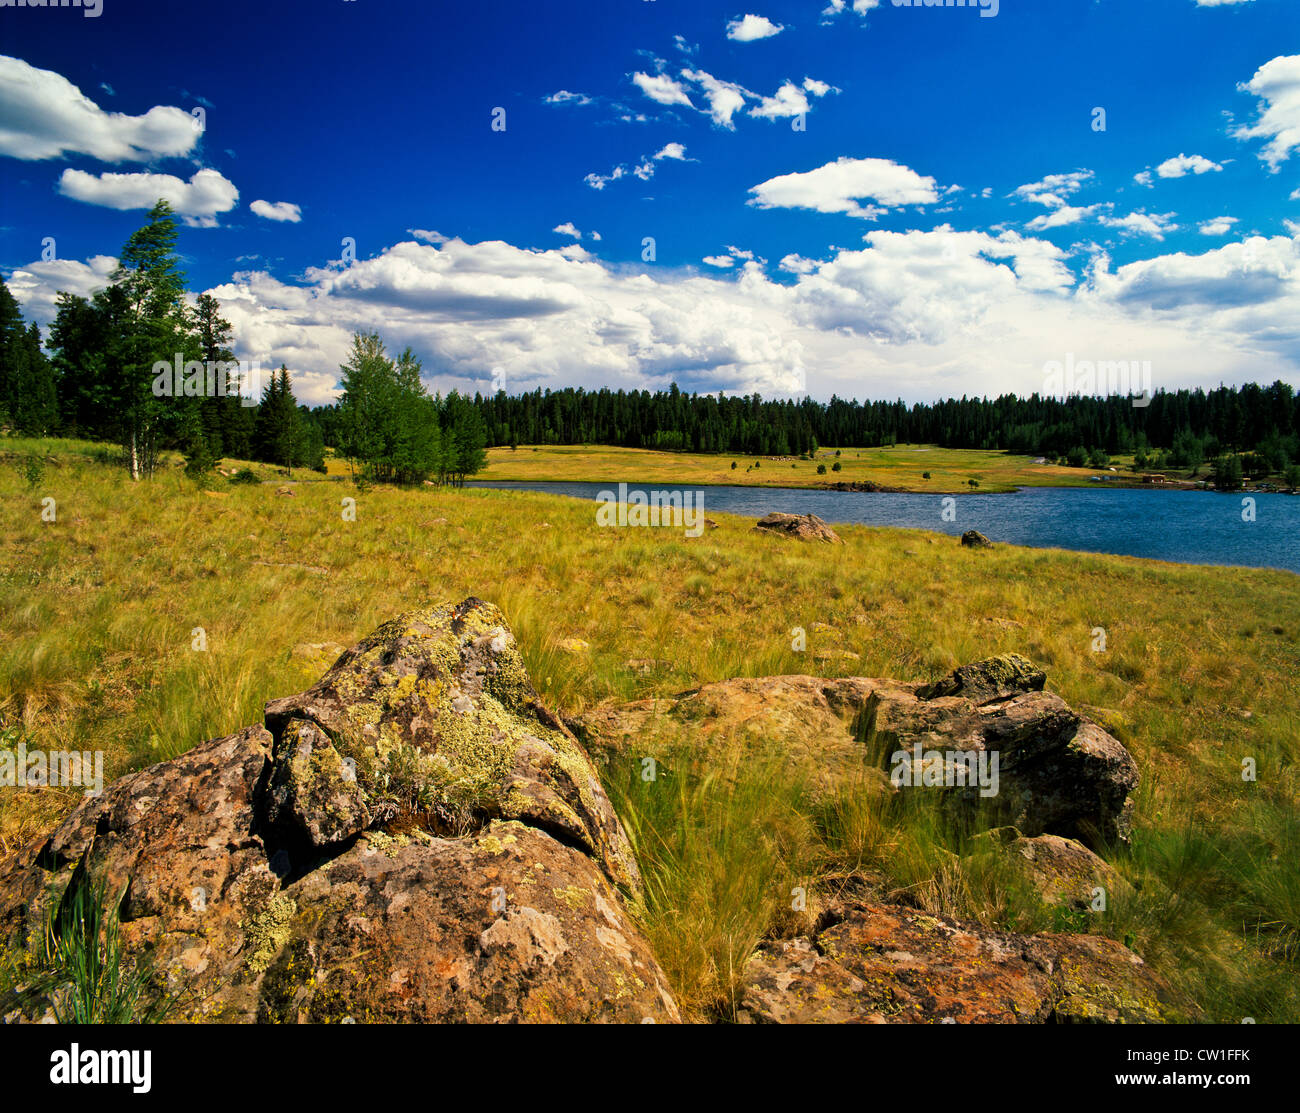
(99, 609)
(902, 467)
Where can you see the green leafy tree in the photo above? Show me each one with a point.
(392, 430)
(415, 447)
(154, 327)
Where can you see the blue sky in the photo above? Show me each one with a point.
(891, 202)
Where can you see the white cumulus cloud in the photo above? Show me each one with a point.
(725, 98)
(835, 7)
(44, 116)
(200, 200)
(840, 186)
(1219, 226)
(1142, 223)
(1186, 164)
(751, 28)
(924, 313)
(1277, 85)
(661, 89)
(283, 211)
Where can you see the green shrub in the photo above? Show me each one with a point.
(32, 470)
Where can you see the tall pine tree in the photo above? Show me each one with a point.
(280, 436)
(28, 398)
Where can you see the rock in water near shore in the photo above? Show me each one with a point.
(802, 527)
(973, 539)
(414, 838)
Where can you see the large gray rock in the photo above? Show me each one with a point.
(1058, 772)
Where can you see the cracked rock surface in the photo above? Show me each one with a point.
(415, 838)
(886, 964)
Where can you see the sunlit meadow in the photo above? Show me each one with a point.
(100, 608)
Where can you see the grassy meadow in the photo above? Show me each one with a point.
(100, 611)
(901, 468)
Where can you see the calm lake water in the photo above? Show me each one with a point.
(1190, 527)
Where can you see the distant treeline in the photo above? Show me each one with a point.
(102, 382)
(1177, 429)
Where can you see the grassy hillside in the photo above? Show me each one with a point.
(902, 468)
(100, 609)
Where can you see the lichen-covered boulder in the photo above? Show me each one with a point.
(1058, 772)
(175, 845)
(886, 964)
(801, 527)
(989, 679)
(414, 838)
(504, 924)
(1061, 871)
(433, 719)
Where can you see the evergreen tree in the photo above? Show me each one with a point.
(366, 406)
(81, 336)
(278, 436)
(228, 423)
(311, 444)
(1228, 473)
(466, 437)
(28, 396)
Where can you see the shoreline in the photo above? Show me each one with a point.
(1043, 544)
(869, 488)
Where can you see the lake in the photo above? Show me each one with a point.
(1189, 527)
